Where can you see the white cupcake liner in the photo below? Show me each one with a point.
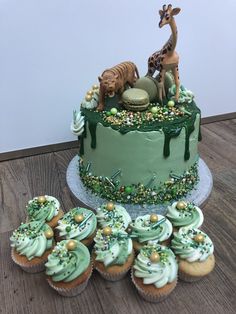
(149, 297)
(113, 277)
(71, 292)
(36, 268)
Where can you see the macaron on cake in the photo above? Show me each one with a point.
(184, 214)
(31, 243)
(114, 216)
(69, 267)
(194, 250)
(44, 208)
(150, 229)
(113, 253)
(78, 224)
(154, 273)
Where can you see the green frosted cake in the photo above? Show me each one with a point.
(138, 157)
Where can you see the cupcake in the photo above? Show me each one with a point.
(31, 243)
(114, 216)
(69, 267)
(78, 224)
(113, 253)
(184, 214)
(194, 250)
(154, 273)
(44, 208)
(150, 229)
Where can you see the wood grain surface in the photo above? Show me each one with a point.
(20, 292)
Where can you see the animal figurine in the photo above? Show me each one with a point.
(114, 80)
(167, 58)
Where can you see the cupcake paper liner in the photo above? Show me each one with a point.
(113, 277)
(72, 292)
(188, 278)
(37, 268)
(150, 297)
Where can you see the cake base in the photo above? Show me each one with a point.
(199, 195)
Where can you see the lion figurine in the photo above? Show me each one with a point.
(114, 80)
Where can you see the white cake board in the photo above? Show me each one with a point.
(199, 195)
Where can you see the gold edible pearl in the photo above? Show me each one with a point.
(79, 218)
(41, 199)
(153, 218)
(49, 234)
(88, 97)
(199, 238)
(154, 257)
(90, 92)
(181, 205)
(95, 87)
(110, 206)
(107, 231)
(71, 245)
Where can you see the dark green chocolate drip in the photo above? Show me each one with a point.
(199, 133)
(82, 137)
(189, 128)
(92, 129)
(168, 135)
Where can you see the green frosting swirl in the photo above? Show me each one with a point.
(185, 245)
(113, 249)
(43, 211)
(190, 217)
(70, 229)
(66, 265)
(157, 273)
(30, 240)
(144, 230)
(118, 218)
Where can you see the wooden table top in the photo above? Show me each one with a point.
(22, 179)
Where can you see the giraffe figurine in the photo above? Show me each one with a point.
(167, 58)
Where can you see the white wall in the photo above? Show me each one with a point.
(51, 52)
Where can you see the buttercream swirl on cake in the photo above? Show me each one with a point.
(185, 245)
(159, 273)
(117, 218)
(30, 239)
(66, 265)
(77, 124)
(191, 216)
(69, 228)
(113, 249)
(43, 211)
(144, 230)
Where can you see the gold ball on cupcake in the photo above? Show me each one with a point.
(153, 218)
(88, 97)
(94, 87)
(71, 245)
(110, 206)
(199, 238)
(107, 231)
(181, 205)
(49, 233)
(154, 257)
(90, 92)
(79, 218)
(41, 199)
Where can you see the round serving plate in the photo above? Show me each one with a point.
(198, 196)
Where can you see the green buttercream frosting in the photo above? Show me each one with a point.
(144, 230)
(66, 265)
(30, 240)
(70, 229)
(187, 247)
(43, 211)
(118, 218)
(158, 273)
(113, 249)
(190, 217)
